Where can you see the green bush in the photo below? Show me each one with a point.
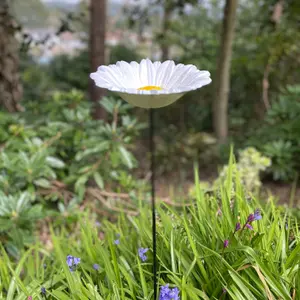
(280, 134)
(209, 250)
(251, 163)
(54, 150)
(248, 168)
(177, 151)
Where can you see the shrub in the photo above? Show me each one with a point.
(281, 135)
(249, 166)
(247, 169)
(54, 150)
(178, 151)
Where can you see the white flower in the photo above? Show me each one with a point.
(150, 84)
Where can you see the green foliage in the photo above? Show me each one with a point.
(248, 168)
(17, 219)
(281, 134)
(178, 151)
(67, 72)
(122, 52)
(36, 80)
(257, 264)
(54, 150)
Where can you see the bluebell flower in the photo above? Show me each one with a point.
(250, 218)
(237, 226)
(169, 294)
(96, 267)
(254, 217)
(142, 252)
(72, 262)
(117, 242)
(249, 226)
(76, 261)
(226, 243)
(43, 291)
(257, 215)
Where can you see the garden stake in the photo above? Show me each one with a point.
(152, 168)
(151, 85)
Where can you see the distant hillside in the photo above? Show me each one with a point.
(61, 5)
(114, 7)
(39, 14)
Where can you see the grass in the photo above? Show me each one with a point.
(262, 263)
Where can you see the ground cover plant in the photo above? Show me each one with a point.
(225, 246)
(52, 152)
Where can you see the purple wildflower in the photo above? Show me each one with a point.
(76, 260)
(169, 294)
(224, 291)
(142, 252)
(117, 242)
(254, 217)
(257, 215)
(43, 291)
(226, 242)
(249, 226)
(72, 262)
(237, 227)
(96, 267)
(250, 218)
(29, 298)
(98, 224)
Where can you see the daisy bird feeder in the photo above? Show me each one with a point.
(151, 85)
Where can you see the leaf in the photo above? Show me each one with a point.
(80, 186)
(126, 157)
(55, 162)
(42, 182)
(5, 224)
(99, 180)
(97, 149)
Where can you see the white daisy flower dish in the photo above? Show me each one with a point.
(150, 84)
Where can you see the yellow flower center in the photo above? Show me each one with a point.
(150, 88)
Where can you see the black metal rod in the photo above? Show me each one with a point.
(152, 167)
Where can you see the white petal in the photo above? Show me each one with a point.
(143, 73)
(164, 73)
(128, 74)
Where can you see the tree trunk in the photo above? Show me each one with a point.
(276, 17)
(165, 48)
(223, 72)
(97, 51)
(10, 83)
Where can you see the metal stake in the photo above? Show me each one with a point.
(152, 167)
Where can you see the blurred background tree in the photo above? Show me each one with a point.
(222, 84)
(10, 84)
